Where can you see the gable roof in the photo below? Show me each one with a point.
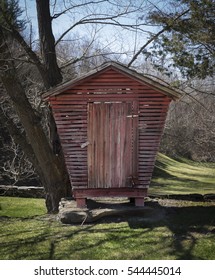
(133, 74)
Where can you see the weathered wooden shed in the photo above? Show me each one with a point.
(110, 123)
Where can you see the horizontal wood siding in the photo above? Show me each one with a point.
(71, 121)
(152, 117)
(70, 110)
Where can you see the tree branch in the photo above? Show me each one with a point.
(155, 37)
(76, 60)
(100, 20)
(77, 6)
(32, 55)
(21, 139)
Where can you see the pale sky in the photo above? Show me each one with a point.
(117, 39)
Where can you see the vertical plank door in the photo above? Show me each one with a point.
(112, 153)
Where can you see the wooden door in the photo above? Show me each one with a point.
(112, 149)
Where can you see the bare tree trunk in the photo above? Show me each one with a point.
(47, 42)
(51, 168)
(48, 53)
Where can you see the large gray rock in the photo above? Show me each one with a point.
(69, 213)
(70, 216)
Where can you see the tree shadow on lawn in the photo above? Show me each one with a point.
(29, 242)
(163, 177)
(187, 224)
(182, 226)
(182, 185)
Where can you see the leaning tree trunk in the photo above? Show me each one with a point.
(50, 167)
(54, 77)
(34, 142)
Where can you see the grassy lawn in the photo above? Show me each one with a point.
(182, 177)
(178, 229)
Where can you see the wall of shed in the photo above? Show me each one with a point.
(71, 116)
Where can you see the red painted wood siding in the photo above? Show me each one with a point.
(71, 121)
(71, 114)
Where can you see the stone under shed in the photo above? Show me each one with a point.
(110, 123)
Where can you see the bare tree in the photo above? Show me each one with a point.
(17, 167)
(190, 130)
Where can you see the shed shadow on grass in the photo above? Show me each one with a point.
(185, 225)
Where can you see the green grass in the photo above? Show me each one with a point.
(186, 231)
(176, 230)
(19, 208)
(182, 177)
